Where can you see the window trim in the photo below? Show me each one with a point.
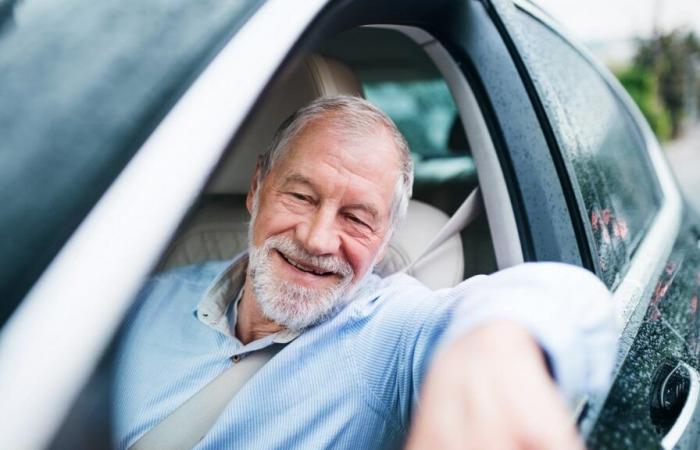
(72, 307)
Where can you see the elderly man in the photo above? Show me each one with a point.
(351, 351)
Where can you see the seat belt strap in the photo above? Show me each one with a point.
(470, 209)
(190, 422)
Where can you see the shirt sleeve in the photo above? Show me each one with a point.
(567, 309)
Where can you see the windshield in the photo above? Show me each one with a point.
(83, 84)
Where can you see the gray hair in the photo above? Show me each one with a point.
(358, 116)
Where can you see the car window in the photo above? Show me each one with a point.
(603, 151)
(425, 112)
(409, 88)
(218, 225)
(82, 85)
(422, 109)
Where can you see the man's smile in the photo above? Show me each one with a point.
(304, 267)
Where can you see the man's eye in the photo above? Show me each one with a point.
(356, 220)
(302, 197)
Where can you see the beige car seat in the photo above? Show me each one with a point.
(219, 228)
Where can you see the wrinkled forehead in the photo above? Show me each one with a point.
(344, 127)
(328, 156)
(355, 135)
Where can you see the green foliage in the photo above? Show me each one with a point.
(640, 83)
(672, 60)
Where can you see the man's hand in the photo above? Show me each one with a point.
(491, 390)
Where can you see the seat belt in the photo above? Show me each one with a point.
(190, 422)
(469, 210)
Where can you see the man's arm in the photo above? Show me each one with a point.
(490, 387)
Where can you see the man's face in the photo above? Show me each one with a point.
(323, 213)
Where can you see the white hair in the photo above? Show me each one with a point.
(357, 118)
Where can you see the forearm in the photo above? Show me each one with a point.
(565, 310)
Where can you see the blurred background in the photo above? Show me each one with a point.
(653, 47)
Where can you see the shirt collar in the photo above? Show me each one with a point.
(226, 291)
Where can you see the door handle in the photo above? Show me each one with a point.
(674, 404)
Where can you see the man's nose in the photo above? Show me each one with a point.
(319, 234)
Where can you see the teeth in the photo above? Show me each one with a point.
(304, 268)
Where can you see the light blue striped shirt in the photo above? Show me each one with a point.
(351, 381)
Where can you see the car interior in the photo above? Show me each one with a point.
(390, 69)
(408, 74)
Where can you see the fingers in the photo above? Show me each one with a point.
(491, 390)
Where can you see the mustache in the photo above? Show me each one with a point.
(292, 249)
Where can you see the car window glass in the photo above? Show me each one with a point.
(422, 109)
(425, 112)
(444, 171)
(603, 151)
(82, 85)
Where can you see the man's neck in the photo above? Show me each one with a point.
(251, 323)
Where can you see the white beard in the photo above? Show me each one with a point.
(293, 306)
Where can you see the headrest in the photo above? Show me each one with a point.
(443, 267)
(316, 76)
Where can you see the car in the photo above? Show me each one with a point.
(130, 131)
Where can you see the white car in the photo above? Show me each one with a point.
(129, 131)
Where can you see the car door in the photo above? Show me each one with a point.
(634, 233)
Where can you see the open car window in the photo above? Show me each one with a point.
(216, 229)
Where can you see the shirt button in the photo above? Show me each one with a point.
(236, 358)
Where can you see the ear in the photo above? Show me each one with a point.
(253, 187)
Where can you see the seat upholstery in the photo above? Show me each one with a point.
(316, 76)
(217, 231)
(441, 268)
(219, 228)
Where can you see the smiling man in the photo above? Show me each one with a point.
(352, 353)
(321, 214)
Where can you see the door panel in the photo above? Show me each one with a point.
(668, 334)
